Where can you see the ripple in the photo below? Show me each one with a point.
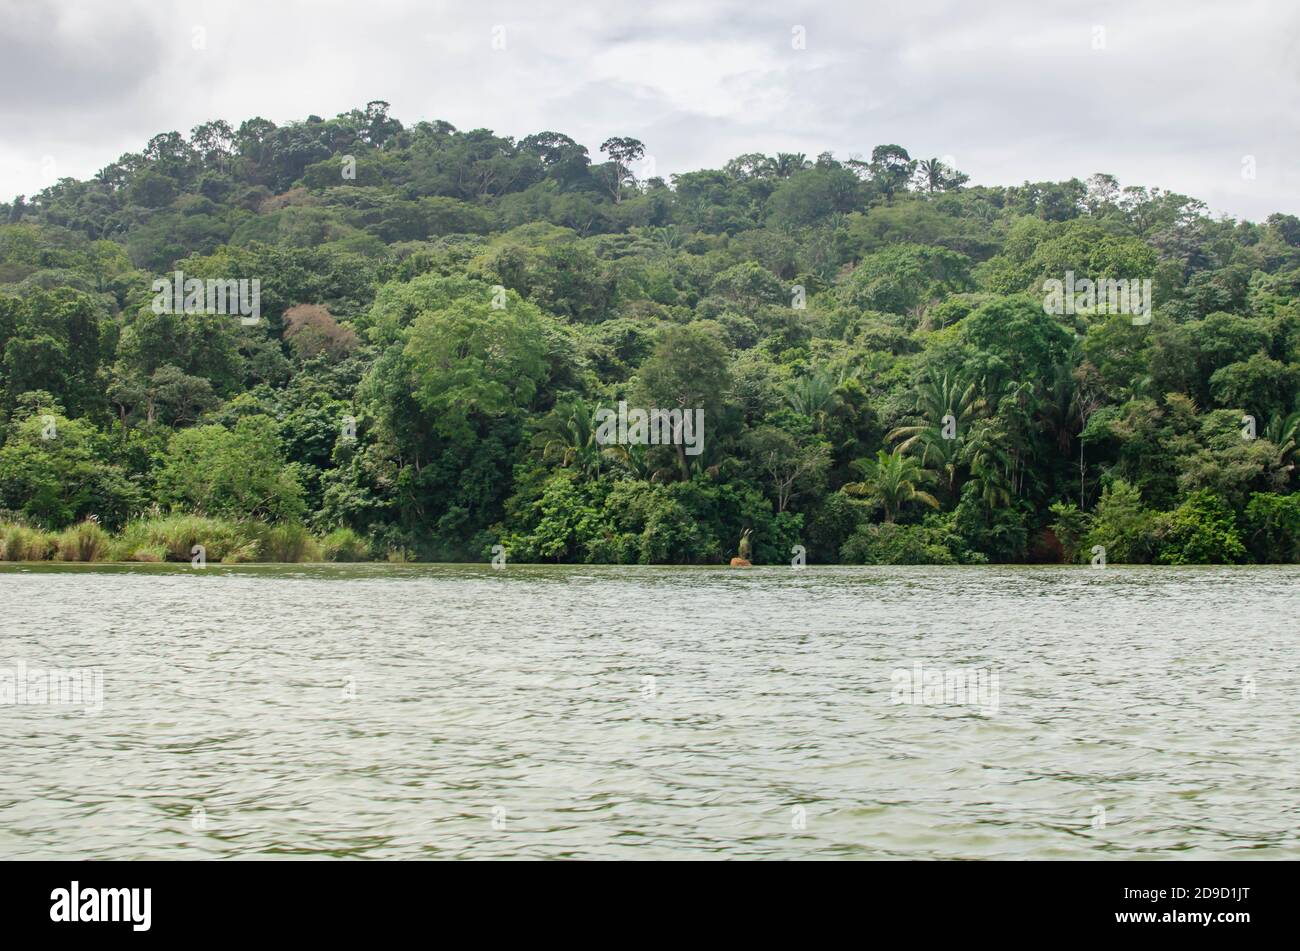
(375, 711)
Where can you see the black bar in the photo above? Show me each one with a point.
(334, 900)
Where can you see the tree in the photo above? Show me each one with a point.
(946, 408)
(1069, 526)
(813, 197)
(175, 398)
(687, 370)
(1122, 525)
(793, 467)
(893, 480)
(239, 473)
(470, 358)
(213, 142)
(788, 163)
(1272, 527)
(1201, 531)
(934, 176)
(906, 279)
(53, 340)
(890, 169)
(1259, 386)
(815, 395)
(312, 330)
(622, 153)
(567, 435)
(56, 471)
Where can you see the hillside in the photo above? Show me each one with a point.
(442, 316)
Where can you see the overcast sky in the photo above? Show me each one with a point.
(1178, 95)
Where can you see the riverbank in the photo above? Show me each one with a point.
(184, 538)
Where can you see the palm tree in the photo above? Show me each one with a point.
(815, 396)
(931, 173)
(1019, 415)
(950, 395)
(937, 177)
(665, 240)
(568, 434)
(991, 466)
(934, 401)
(1284, 432)
(787, 163)
(892, 479)
(636, 461)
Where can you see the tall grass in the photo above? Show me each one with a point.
(174, 538)
(343, 544)
(289, 542)
(23, 543)
(83, 542)
(156, 538)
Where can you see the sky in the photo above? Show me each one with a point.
(1197, 97)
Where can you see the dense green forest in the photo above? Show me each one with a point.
(444, 312)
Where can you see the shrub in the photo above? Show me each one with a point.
(893, 544)
(289, 542)
(1069, 526)
(830, 524)
(83, 542)
(1273, 527)
(1201, 531)
(1122, 525)
(173, 538)
(933, 542)
(231, 473)
(343, 544)
(21, 543)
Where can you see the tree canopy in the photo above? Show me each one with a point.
(444, 312)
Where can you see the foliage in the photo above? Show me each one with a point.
(235, 473)
(1122, 525)
(866, 339)
(1272, 527)
(932, 542)
(1201, 531)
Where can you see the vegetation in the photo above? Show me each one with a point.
(443, 314)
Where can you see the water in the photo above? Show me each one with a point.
(580, 712)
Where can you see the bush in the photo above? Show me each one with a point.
(830, 525)
(1000, 534)
(1122, 525)
(1069, 526)
(343, 544)
(933, 542)
(21, 543)
(231, 473)
(84, 542)
(1201, 531)
(173, 538)
(1273, 527)
(289, 542)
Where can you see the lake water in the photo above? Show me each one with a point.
(380, 711)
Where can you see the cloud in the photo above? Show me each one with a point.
(1165, 95)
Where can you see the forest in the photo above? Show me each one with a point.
(444, 314)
